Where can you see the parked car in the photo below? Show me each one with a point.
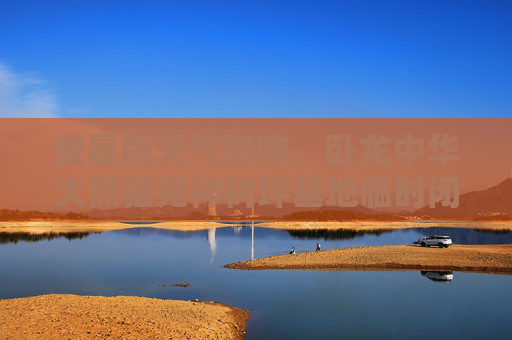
(435, 240)
(438, 276)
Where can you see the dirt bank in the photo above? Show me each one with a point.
(126, 317)
(464, 258)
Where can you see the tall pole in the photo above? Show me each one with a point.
(252, 240)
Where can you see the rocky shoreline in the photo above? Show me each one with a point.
(123, 317)
(494, 259)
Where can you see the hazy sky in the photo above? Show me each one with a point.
(256, 58)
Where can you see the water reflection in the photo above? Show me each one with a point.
(470, 236)
(458, 235)
(212, 242)
(238, 229)
(283, 304)
(438, 276)
(331, 238)
(328, 234)
(6, 238)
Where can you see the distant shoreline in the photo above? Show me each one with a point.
(41, 227)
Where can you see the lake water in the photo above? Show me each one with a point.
(283, 304)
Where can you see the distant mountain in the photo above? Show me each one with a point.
(170, 212)
(341, 216)
(482, 205)
(136, 213)
(17, 215)
(357, 209)
(491, 204)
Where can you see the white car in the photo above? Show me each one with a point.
(435, 240)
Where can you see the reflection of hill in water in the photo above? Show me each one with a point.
(470, 236)
(229, 232)
(6, 238)
(458, 235)
(327, 234)
(155, 231)
(245, 233)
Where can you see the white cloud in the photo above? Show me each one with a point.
(24, 95)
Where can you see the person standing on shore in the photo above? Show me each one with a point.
(318, 247)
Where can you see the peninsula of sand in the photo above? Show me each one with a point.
(122, 317)
(495, 259)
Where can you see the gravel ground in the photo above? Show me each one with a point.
(464, 258)
(122, 317)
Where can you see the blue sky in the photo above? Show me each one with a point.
(256, 58)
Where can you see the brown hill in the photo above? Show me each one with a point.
(169, 212)
(17, 215)
(495, 201)
(340, 216)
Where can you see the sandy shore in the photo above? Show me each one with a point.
(45, 227)
(462, 258)
(126, 317)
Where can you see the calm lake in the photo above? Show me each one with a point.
(283, 304)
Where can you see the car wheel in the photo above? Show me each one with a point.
(441, 245)
(423, 244)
